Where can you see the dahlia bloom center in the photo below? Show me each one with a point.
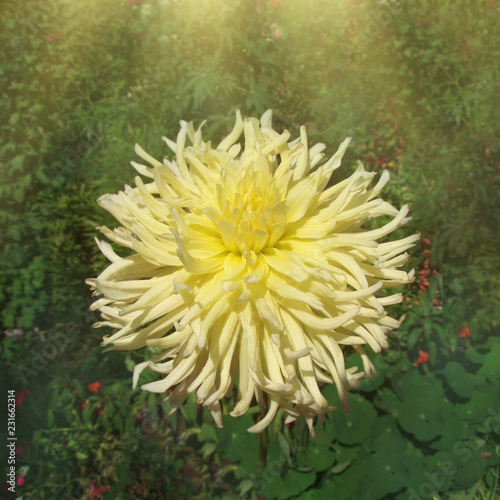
(249, 215)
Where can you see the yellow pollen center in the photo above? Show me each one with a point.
(250, 215)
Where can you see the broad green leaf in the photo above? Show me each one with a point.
(319, 455)
(459, 380)
(234, 437)
(420, 412)
(283, 486)
(490, 369)
(385, 435)
(354, 427)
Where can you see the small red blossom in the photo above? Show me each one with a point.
(426, 269)
(20, 398)
(138, 416)
(464, 332)
(54, 37)
(436, 303)
(97, 491)
(423, 357)
(95, 388)
(83, 406)
(20, 480)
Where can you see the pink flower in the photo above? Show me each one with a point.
(20, 480)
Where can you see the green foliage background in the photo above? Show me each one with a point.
(415, 83)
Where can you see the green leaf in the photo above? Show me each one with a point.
(475, 357)
(129, 363)
(386, 400)
(208, 449)
(340, 467)
(207, 432)
(386, 473)
(489, 370)
(190, 408)
(354, 427)
(42, 177)
(345, 486)
(245, 486)
(234, 437)
(25, 181)
(17, 163)
(459, 469)
(420, 412)
(284, 446)
(414, 337)
(484, 404)
(18, 195)
(318, 454)
(385, 434)
(459, 380)
(411, 383)
(285, 486)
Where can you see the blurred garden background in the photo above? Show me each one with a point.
(415, 83)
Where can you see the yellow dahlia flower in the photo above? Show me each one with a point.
(250, 270)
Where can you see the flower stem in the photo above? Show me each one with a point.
(263, 448)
